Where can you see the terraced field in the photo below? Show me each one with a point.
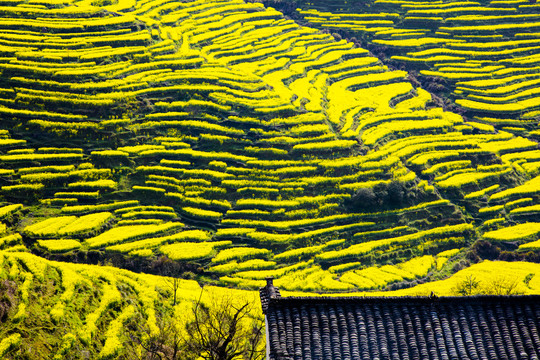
(227, 138)
(67, 311)
(481, 54)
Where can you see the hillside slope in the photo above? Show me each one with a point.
(242, 145)
(54, 310)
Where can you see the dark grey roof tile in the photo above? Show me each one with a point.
(316, 344)
(325, 334)
(344, 335)
(533, 327)
(404, 328)
(306, 333)
(487, 334)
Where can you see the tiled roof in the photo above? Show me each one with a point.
(483, 327)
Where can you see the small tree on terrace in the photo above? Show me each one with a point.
(503, 286)
(495, 286)
(174, 284)
(468, 286)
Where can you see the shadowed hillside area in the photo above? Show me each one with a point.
(375, 147)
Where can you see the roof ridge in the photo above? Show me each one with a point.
(408, 299)
(268, 293)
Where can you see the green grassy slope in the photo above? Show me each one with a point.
(221, 135)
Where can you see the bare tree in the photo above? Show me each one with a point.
(224, 330)
(166, 344)
(220, 329)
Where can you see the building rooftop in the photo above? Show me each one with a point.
(340, 328)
